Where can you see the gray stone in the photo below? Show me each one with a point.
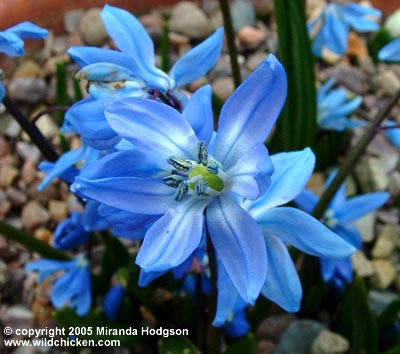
(223, 87)
(27, 89)
(74, 204)
(33, 215)
(351, 77)
(273, 326)
(255, 60)
(187, 18)
(28, 151)
(387, 82)
(384, 244)
(366, 226)
(92, 29)
(72, 20)
(3, 273)
(7, 175)
(371, 175)
(394, 184)
(47, 126)
(330, 343)
(243, 14)
(362, 265)
(299, 337)
(379, 300)
(385, 274)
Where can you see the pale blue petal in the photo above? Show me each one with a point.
(391, 51)
(318, 43)
(332, 100)
(250, 177)
(152, 127)
(28, 30)
(239, 243)
(325, 88)
(66, 161)
(198, 112)
(359, 10)
(173, 238)
(292, 172)
(304, 232)
(340, 123)
(350, 234)
(197, 61)
(392, 134)
(227, 296)
(11, 44)
(282, 284)
(359, 206)
(249, 114)
(306, 200)
(348, 107)
(107, 72)
(336, 35)
(105, 90)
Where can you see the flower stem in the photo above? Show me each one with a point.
(30, 242)
(230, 36)
(355, 154)
(32, 130)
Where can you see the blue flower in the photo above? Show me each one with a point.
(12, 44)
(393, 134)
(113, 301)
(70, 233)
(339, 217)
(334, 108)
(178, 177)
(331, 28)
(236, 324)
(124, 71)
(391, 51)
(73, 287)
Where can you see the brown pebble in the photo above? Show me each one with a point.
(58, 210)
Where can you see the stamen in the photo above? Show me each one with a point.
(202, 156)
(201, 187)
(179, 163)
(213, 167)
(173, 180)
(182, 190)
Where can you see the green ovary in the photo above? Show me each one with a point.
(214, 182)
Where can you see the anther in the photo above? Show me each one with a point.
(202, 156)
(201, 187)
(173, 180)
(179, 163)
(213, 167)
(181, 191)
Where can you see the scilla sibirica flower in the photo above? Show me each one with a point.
(12, 42)
(193, 182)
(70, 233)
(331, 28)
(334, 108)
(391, 51)
(128, 71)
(339, 217)
(73, 287)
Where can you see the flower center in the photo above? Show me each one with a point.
(329, 219)
(201, 178)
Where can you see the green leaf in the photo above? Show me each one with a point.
(78, 95)
(297, 125)
(65, 147)
(96, 321)
(177, 345)
(62, 98)
(30, 242)
(380, 39)
(395, 350)
(390, 314)
(246, 344)
(357, 321)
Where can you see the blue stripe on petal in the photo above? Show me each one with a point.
(304, 232)
(239, 243)
(282, 284)
(198, 61)
(248, 115)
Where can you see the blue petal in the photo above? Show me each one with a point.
(348, 107)
(28, 30)
(11, 44)
(332, 100)
(282, 284)
(198, 112)
(328, 268)
(66, 287)
(152, 127)
(91, 219)
(145, 278)
(239, 243)
(248, 115)
(2, 92)
(391, 51)
(239, 326)
(227, 296)
(173, 238)
(306, 200)
(84, 301)
(350, 234)
(292, 172)
(197, 61)
(131, 38)
(359, 10)
(105, 90)
(67, 176)
(341, 195)
(304, 232)
(66, 161)
(336, 35)
(392, 134)
(359, 206)
(340, 123)
(113, 301)
(325, 89)
(250, 177)
(107, 72)
(356, 16)
(47, 267)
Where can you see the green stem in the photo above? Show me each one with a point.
(165, 48)
(30, 242)
(213, 339)
(355, 154)
(230, 37)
